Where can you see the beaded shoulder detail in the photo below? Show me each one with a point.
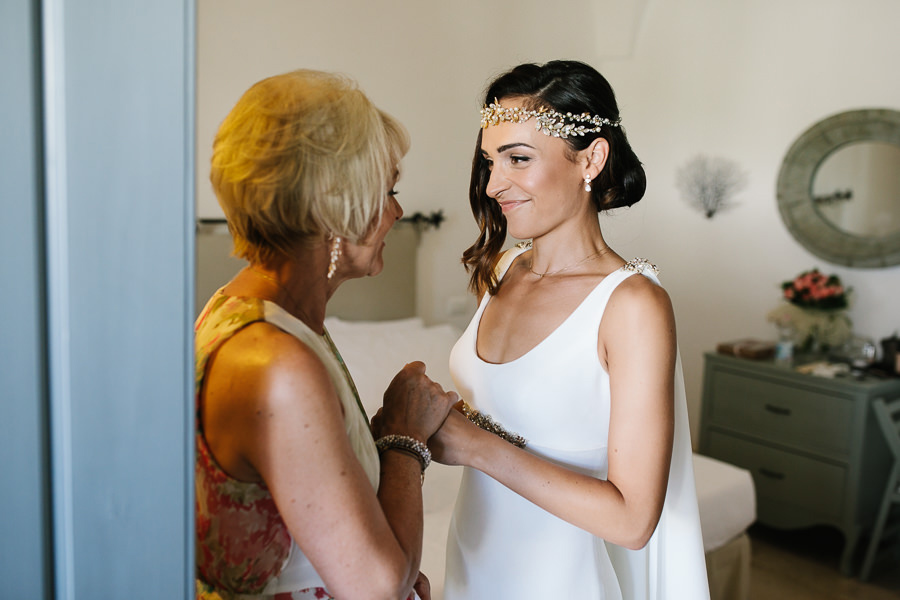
(639, 265)
(526, 245)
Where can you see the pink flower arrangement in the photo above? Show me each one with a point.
(812, 289)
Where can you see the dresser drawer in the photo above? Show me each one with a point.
(783, 477)
(793, 416)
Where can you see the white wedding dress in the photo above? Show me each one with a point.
(557, 396)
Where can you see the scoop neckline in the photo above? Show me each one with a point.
(550, 335)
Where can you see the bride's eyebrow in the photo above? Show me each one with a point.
(505, 147)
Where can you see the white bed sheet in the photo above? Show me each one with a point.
(375, 351)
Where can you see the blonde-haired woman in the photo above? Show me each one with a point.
(292, 499)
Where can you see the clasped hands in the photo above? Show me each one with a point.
(418, 407)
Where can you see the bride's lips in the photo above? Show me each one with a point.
(508, 205)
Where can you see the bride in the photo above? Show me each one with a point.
(572, 357)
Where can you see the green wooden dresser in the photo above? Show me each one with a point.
(811, 443)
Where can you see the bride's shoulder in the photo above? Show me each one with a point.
(640, 294)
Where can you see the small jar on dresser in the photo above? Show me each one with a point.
(811, 443)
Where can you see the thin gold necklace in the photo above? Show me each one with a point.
(597, 254)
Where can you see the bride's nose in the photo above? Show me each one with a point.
(497, 184)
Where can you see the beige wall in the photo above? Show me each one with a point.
(740, 80)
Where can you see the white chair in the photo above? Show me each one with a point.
(888, 416)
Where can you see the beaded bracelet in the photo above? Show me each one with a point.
(490, 425)
(407, 444)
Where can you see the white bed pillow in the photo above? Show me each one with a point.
(339, 324)
(375, 351)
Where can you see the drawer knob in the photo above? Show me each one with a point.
(771, 474)
(778, 410)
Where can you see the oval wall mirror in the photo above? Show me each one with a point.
(839, 188)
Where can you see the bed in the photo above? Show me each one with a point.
(372, 322)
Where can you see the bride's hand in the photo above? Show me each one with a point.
(450, 444)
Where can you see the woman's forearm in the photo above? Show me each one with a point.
(400, 496)
(595, 505)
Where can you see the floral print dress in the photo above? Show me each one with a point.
(243, 545)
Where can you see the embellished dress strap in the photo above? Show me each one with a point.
(635, 266)
(508, 257)
(642, 266)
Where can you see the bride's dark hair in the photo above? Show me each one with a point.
(564, 86)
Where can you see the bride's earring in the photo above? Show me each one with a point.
(335, 255)
(587, 183)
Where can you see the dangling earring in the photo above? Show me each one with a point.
(335, 255)
(587, 183)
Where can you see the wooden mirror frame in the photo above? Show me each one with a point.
(795, 184)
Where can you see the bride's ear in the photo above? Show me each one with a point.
(596, 155)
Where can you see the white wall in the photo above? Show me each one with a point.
(740, 80)
(743, 80)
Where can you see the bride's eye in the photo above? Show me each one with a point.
(518, 159)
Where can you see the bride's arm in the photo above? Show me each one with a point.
(637, 344)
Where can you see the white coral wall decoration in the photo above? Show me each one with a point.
(710, 184)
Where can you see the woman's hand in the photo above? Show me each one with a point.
(414, 405)
(422, 587)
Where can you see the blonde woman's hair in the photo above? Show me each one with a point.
(303, 155)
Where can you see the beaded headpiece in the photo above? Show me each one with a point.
(547, 121)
